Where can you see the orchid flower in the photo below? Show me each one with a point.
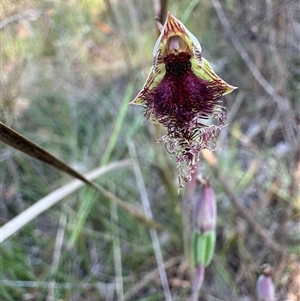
(180, 92)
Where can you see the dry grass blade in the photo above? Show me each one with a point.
(57, 255)
(51, 199)
(117, 251)
(153, 232)
(19, 142)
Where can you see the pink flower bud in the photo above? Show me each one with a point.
(265, 286)
(205, 213)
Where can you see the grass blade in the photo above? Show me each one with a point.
(51, 199)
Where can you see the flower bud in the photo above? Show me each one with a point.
(205, 213)
(203, 247)
(265, 286)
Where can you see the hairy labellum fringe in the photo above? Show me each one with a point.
(186, 152)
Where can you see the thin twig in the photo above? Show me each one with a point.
(148, 278)
(149, 215)
(160, 9)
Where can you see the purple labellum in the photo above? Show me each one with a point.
(180, 92)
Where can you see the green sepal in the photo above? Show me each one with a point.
(198, 248)
(194, 247)
(203, 246)
(210, 247)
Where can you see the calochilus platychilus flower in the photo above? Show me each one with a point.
(180, 93)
